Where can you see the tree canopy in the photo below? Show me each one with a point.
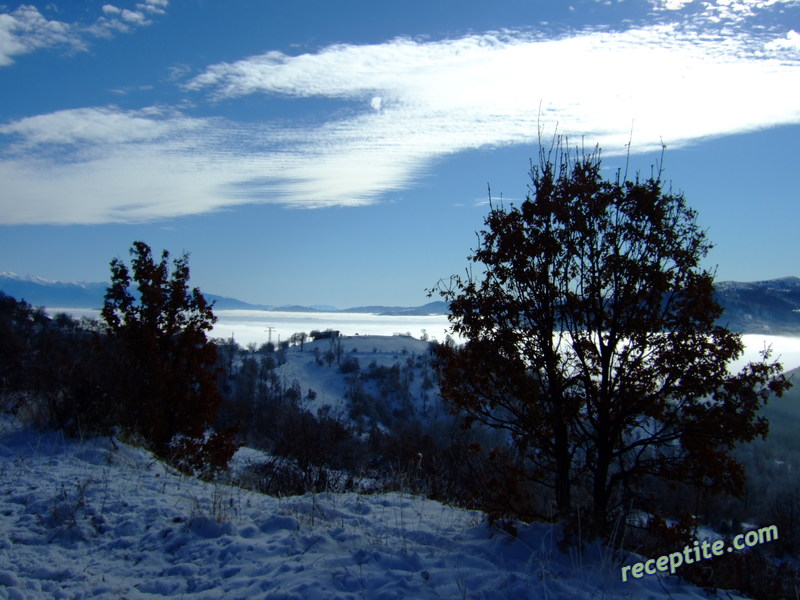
(592, 338)
(164, 364)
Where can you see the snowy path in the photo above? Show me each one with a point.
(104, 520)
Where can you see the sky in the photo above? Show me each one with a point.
(342, 153)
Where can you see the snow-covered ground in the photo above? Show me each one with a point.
(101, 519)
(330, 384)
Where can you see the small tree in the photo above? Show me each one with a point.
(592, 340)
(165, 366)
(298, 339)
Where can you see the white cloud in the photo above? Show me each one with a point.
(157, 7)
(788, 44)
(97, 127)
(488, 89)
(125, 187)
(134, 17)
(412, 103)
(440, 98)
(671, 4)
(25, 29)
(107, 165)
(720, 11)
(121, 20)
(104, 164)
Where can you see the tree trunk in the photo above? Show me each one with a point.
(600, 490)
(563, 466)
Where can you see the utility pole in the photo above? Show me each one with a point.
(269, 330)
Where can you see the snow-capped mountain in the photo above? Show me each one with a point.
(59, 294)
(43, 292)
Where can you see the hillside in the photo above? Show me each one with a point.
(771, 307)
(373, 355)
(105, 520)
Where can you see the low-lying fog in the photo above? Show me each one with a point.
(253, 326)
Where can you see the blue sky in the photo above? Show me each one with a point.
(339, 153)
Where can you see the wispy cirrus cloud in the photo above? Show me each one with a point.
(106, 164)
(26, 29)
(408, 103)
(415, 101)
(96, 128)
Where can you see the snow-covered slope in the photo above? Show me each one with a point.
(101, 519)
(330, 384)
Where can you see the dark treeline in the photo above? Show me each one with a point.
(63, 373)
(50, 370)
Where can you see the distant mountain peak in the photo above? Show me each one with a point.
(789, 281)
(38, 291)
(35, 279)
(28, 277)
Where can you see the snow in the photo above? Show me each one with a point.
(330, 384)
(101, 519)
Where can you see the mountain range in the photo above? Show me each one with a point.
(59, 294)
(765, 307)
